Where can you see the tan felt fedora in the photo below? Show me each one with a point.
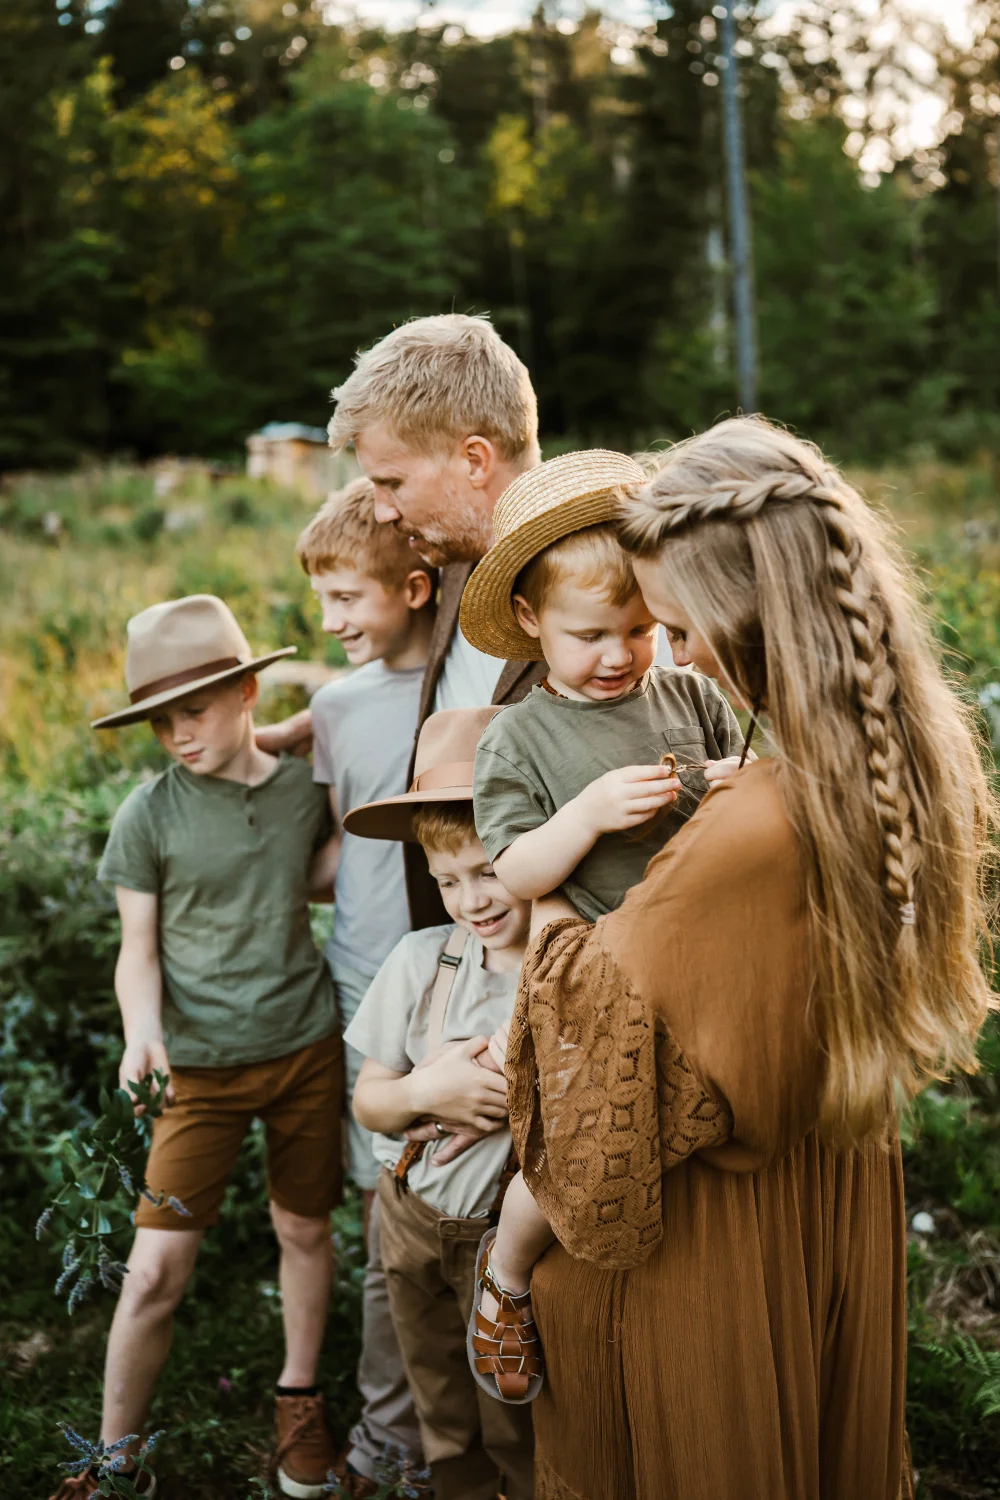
(442, 772)
(178, 647)
(541, 506)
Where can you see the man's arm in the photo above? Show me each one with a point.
(539, 861)
(139, 987)
(452, 1088)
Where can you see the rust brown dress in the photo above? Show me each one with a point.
(724, 1317)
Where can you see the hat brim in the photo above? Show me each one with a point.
(486, 617)
(392, 818)
(136, 712)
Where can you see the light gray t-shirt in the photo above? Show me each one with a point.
(363, 727)
(391, 1028)
(468, 678)
(539, 754)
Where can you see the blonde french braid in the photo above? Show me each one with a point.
(874, 679)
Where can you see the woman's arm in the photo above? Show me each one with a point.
(139, 988)
(539, 861)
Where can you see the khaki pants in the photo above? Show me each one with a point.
(470, 1439)
(388, 1421)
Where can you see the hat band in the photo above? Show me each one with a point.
(455, 773)
(178, 679)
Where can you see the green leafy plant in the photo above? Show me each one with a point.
(981, 1367)
(103, 1169)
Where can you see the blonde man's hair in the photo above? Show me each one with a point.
(345, 534)
(592, 559)
(437, 380)
(809, 608)
(445, 827)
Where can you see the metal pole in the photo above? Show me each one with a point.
(739, 214)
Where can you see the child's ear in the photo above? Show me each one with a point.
(526, 616)
(250, 688)
(418, 588)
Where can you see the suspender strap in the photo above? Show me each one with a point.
(444, 983)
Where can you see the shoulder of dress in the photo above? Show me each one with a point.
(741, 825)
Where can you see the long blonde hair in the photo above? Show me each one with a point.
(808, 606)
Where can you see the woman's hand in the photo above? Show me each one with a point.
(723, 770)
(456, 1088)
(496, 1052)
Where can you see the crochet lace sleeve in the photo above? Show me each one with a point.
(602, 1100)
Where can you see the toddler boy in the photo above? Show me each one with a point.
(376, 595)
(570, 793)
(423, 1028)
(220, 986)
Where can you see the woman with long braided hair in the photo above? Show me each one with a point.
(703, 1084)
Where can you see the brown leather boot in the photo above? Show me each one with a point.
(305, 1454)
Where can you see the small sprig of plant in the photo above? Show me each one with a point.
(109, 1462)
(981, 1365)
(397, 1478)
(103, 1168)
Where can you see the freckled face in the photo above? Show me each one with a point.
(475, 899)
(206, 730)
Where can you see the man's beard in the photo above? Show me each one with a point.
(467, 540)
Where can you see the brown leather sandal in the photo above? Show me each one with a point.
(505, 1357)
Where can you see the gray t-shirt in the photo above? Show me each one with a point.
(391, 1028)
(242, 980)
(537, 755)
(363, 727)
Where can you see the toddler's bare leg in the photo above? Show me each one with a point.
(523, 1234)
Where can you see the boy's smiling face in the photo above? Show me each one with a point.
(474, 898)
(594, 649)
(207, 729)
(371, 619)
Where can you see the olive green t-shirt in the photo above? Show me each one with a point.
(537, 755)
(242, 979)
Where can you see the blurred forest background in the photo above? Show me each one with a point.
(207, 209)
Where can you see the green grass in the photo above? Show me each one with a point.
(66, 591)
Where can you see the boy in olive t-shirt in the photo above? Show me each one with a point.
(220, 986)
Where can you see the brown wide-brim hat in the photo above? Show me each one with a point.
(541, 506)
(178, 647)
(442, 772)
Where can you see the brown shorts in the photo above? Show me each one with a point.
(197, 1140)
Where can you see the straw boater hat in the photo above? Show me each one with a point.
(540, 507)
(442, 772)
(178, 647)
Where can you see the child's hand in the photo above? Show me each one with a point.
(141, 1056)
(453, 1087)
(627, 797)
(722, 770)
